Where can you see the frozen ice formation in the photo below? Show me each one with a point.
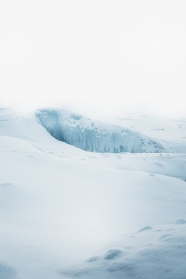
(94, 135)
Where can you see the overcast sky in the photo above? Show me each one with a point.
(130, 53)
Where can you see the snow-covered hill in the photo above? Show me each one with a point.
(66, 212)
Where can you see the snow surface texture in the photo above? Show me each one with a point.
(158, 252)
(67, 213)
(96, 136)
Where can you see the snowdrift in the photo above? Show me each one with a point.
(157, 252)
(67, 213)
(94, 135)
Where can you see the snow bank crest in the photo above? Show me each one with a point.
(94, 135)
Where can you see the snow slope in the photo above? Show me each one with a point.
(172, 130)
(59, 205)
(158, 252)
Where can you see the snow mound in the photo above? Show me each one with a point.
(159, 252)
(94, 135)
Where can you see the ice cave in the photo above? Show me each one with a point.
(94, 135)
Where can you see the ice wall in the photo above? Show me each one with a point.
(95, 136)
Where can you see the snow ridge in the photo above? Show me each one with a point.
(94, 135)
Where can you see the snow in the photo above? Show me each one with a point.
(96, 136)
(68, 213)
(157, 252)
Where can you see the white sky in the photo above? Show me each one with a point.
(130, 53)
